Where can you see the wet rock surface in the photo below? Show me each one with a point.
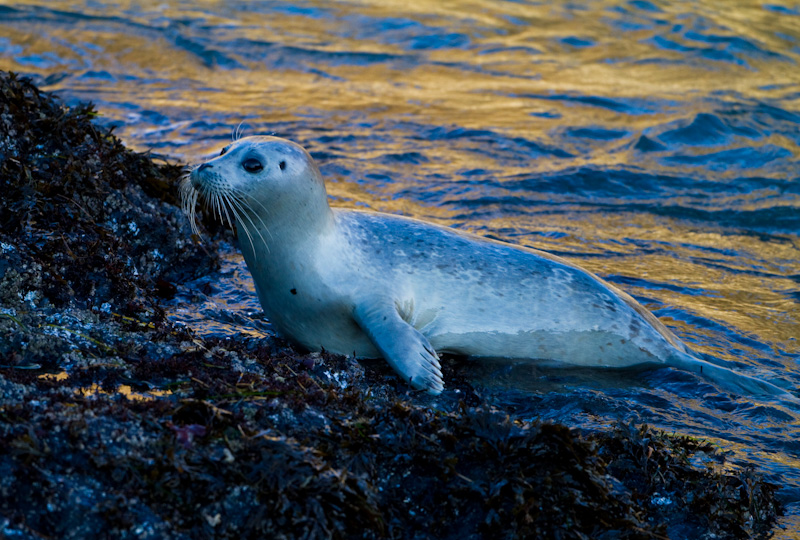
(115, 422)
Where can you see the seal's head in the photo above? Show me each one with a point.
(258, 184)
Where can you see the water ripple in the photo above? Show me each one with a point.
(655, 143)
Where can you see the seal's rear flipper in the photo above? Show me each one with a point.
(403, 346)
(730, 380)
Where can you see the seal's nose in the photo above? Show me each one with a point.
(195, 176)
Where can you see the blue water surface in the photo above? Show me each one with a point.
(654, 143)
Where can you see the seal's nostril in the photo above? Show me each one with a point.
(203, 166)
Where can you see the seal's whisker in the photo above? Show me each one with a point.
(209, 200)
(218, 207)
(246, 230)
(222, 199)
(189, 197)
(239, 194)
(231, 202)
(243, 207)
(245, 194)
(183, 190)
(193, 214)
(237, 132)
(213, 200)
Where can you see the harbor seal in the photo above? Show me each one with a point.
(378, 285)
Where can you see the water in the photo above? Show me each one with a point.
(654, 143)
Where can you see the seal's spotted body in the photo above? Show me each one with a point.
(380, 285)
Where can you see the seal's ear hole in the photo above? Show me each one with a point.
(282, 165)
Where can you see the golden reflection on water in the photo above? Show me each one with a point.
(511, 61)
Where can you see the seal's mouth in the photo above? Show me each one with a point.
(225, 202)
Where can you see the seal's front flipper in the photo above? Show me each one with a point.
(403, 346)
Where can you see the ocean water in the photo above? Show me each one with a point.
(654, 143)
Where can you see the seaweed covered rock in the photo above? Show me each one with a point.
(289, 453)
(664, 475)
(83, 220)
(116, 422)
(87, 229)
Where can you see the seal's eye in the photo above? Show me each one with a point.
(222, 152)
(282, 165)
(252, 165)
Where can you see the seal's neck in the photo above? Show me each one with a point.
(283, 234)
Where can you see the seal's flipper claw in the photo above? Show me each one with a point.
(403, 346)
